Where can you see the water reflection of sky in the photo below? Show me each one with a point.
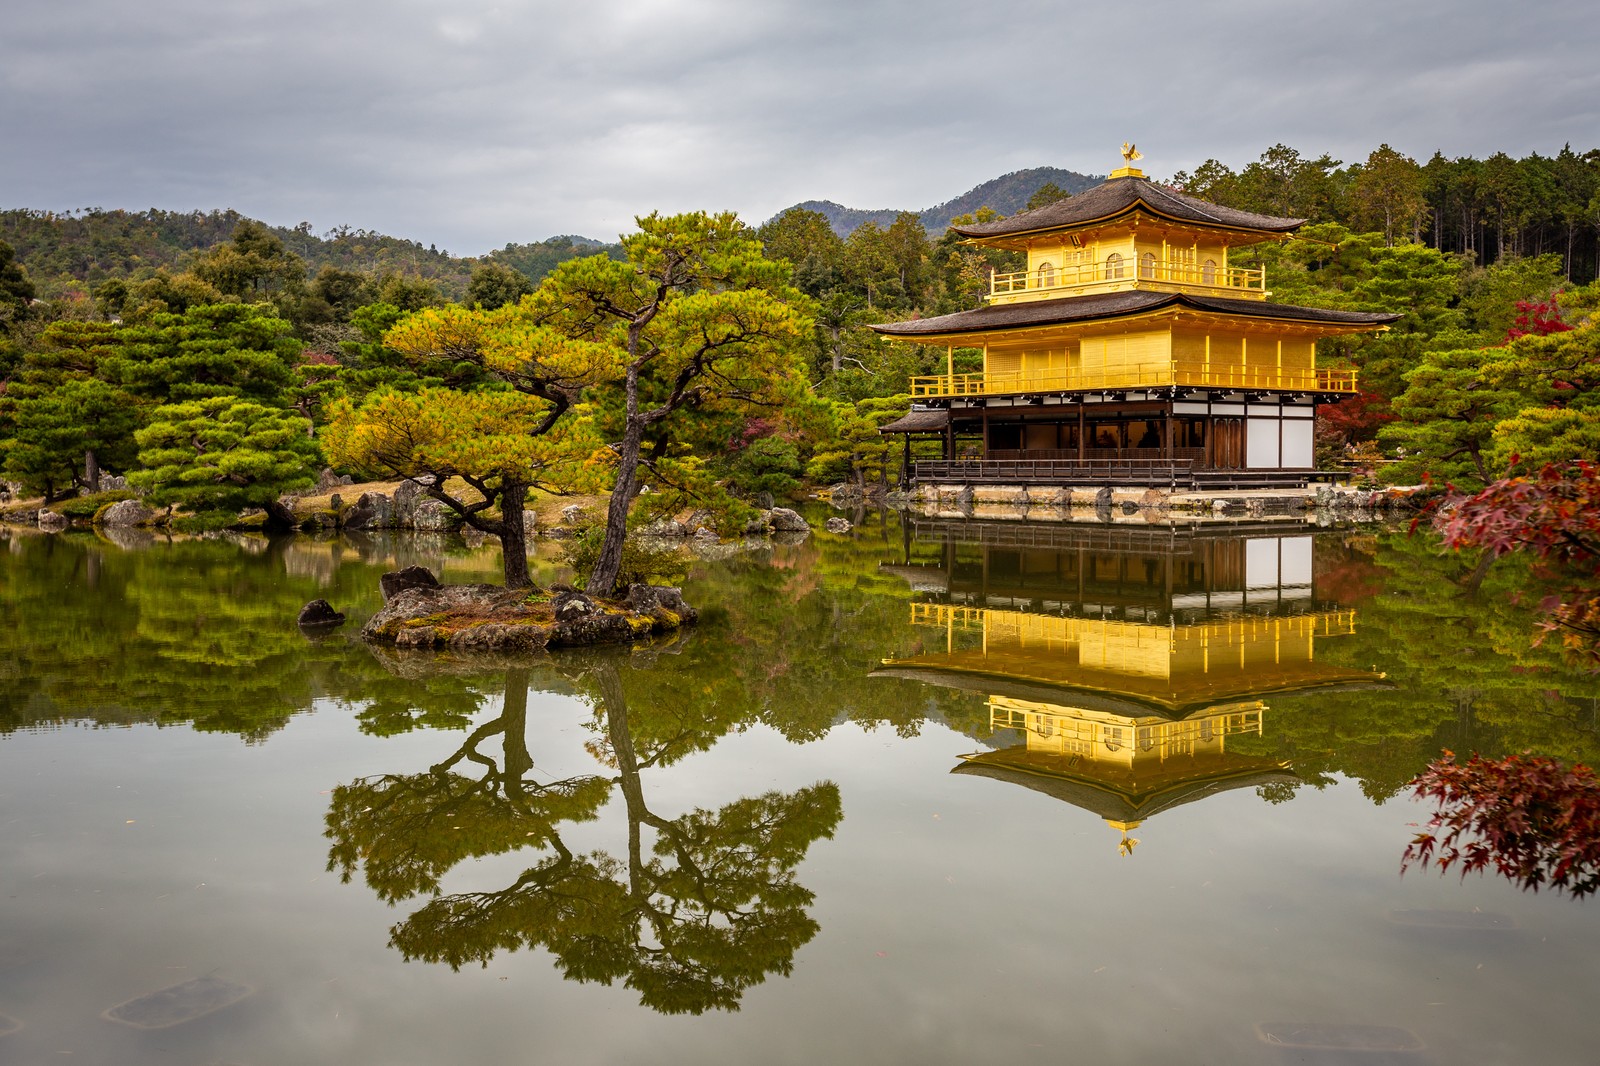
(958, 918)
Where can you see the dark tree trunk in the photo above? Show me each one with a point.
(514, 535)
(615, 703)
(1475, 579)
(91, 471)
(608, 568)
(518, 760)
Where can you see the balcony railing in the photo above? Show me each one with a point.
(1135, 376)
(1171, 473)
(1084, 275)
(1340, 622)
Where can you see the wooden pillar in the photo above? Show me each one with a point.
(1172, 461)
(950, 438)
(905, 463)
(1081, 430)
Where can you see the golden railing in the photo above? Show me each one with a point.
(1339, 622)
(1083, 275)
(1084, 736)
(1135, 376)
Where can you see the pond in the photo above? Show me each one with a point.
(922, 791)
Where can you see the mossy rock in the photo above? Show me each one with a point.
(84, 508)
(319, 521)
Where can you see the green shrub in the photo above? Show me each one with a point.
(640, 564)
(86, 507)
(204, 522)
(769, 464)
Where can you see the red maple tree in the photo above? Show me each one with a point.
(1537, 318)
(1530, 818)
(1554, 514)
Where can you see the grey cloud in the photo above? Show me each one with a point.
(471, 123)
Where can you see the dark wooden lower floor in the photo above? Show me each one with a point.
(1154, 473)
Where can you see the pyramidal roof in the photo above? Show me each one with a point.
(1120, 196)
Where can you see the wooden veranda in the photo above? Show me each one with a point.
(1154, 473)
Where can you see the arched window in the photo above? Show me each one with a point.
(1047, 276)
(1113, 735)
(1208, 272)
(1147, 265)
(1114, 265)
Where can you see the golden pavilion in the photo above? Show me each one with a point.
(1128, 673)
(1129, 350)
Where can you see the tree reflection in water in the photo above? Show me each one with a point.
(699, 907)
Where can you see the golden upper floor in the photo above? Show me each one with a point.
(1128, 285)
(1128, 234)
(1123, 262)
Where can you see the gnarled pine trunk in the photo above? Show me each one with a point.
(607, 568)
(513, 535)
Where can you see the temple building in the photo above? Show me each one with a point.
(1132, 675)
(1129, 350)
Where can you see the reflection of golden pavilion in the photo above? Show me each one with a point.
(1129, 712)
(1125, 768)
(1170, 667)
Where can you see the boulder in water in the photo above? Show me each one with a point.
(124, 514)
(784, 520)
(320, 614)
(412, 577)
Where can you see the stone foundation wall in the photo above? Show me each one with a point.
(1055, 503)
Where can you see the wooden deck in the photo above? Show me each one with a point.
(1155, 473)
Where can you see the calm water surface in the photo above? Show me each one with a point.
(932, 793)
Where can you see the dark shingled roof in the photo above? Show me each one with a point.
(1101, 690)
(918, 422)
(1121, 195)
(1114, 305)
(1119, 797)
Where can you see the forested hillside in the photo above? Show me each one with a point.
(94, 245)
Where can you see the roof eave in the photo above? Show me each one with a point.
(1377, 322)
(1267, 233)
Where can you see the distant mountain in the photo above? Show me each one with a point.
(1007, 194)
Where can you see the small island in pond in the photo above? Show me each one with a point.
(419, 612)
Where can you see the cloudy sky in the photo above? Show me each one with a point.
(472, 123)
